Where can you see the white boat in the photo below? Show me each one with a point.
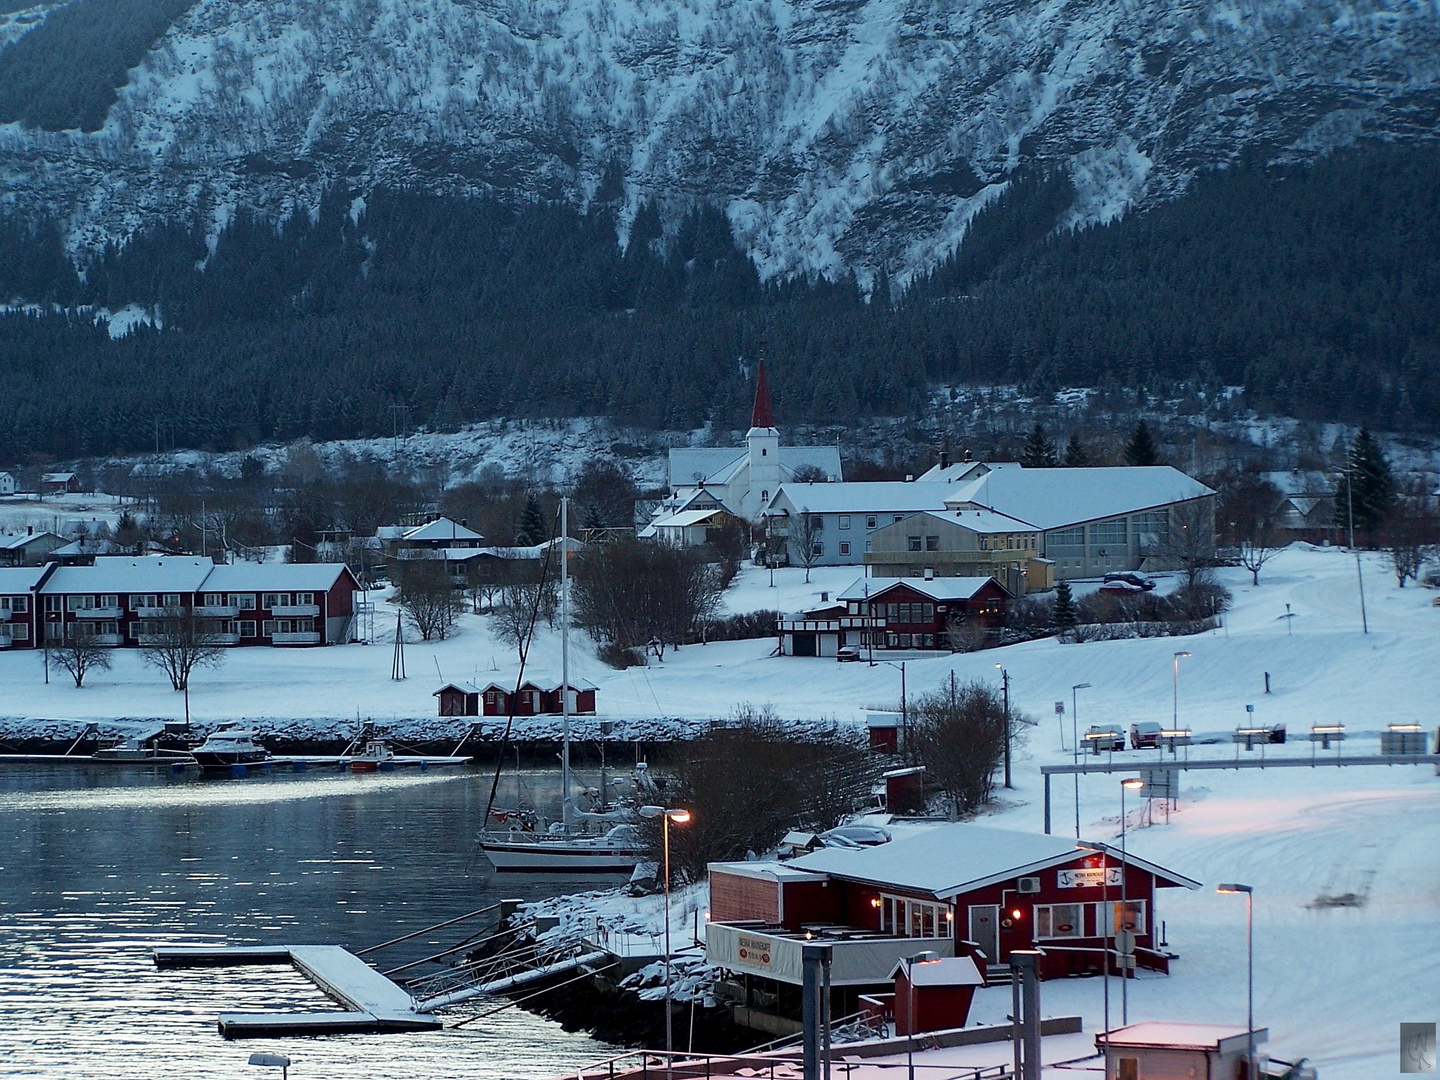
(229, 746)
(617, 852)
(376, 756)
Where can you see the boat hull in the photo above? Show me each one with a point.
(559, 857)
(216, 760)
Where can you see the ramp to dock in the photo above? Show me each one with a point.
(373, 1003)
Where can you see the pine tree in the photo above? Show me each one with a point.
(1039, 451)
(1374, 487)
(1076, 456)
(1141, 450)
(531, 530)
(1064, 615)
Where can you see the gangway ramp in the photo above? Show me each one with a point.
(373, 1004)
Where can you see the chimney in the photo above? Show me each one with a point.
(967, 454)
(929, 573)
(944, 458)
(909, 478)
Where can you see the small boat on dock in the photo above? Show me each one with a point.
(616, 852)
(376, 756)
(229, 745)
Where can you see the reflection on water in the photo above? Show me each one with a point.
(100, 864)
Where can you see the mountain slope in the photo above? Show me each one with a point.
(839, 134)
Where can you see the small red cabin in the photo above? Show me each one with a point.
(537, 698)
(458, 699)
(939, 991)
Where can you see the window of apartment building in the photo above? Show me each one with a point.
(1067, 538)
(854, 607)
(817, 522)
(267, 627)
(79, 603)
(172, 600)
(913, 543)
(245, 601)
(844, 521)
(932, 543)
(247, 627)
(867, 545)
(16, 604)
(844, 547)
(305, 598)
(54, 603)
(215, 599)
(899, 517)
(144, 601)
(892, 612)
(817, 548)
(275, 599)
(869, 521)
(1059, 921)
(19, 632)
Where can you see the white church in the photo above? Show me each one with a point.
(708, 483)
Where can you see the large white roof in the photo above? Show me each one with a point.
(980, 521)
(126, 574)
(15, 580)
(15, 541)
(951, 859)
(439, 530)
(1055, 498)
(867, 497)
(279, 577)
(1177, 1035)
(940, 588)
(960, 471)
(717, 465)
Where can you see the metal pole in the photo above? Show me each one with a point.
(904, 713)
(1250, 984)
(810, 1018)
(1047, 804)
(1124, 911)
(1005, 684)
(669, 1061)
(910, 1018)
(1015, 1013)
(1075, 749)
(1107, 933)
(1175, 694)
(565, 814)
(1350, 514)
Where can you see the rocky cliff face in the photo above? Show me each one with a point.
(835, 134)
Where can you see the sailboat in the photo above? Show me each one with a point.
(561, 848)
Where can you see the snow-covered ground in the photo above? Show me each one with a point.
(61, 514)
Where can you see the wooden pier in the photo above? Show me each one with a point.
(373, 1003)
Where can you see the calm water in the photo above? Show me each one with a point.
(100, 864)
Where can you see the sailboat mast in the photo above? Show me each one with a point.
(565, 662)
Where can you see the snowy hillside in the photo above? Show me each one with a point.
(834, 133)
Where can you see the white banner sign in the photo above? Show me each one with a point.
(1088, 878)
(754, 951)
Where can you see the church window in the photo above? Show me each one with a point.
(764, 452)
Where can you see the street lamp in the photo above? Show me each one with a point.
(1175, 692)
(1075, 746)
(904, 710)
(1129, 784)
(274, 1061)
(1005, 683)
(1230, 889)
(679, 817)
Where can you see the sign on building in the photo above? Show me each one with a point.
(1088, 877)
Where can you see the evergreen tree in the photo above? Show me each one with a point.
(1063, 615)
(1039, 451)
(1141, 449)
(1076, 455)
(1374, 487)
(593, 521)
(531, 530)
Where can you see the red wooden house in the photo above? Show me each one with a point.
(536, 698)
(950, 890)
(17, 606)
(459, 699)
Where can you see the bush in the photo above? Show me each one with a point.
(742, 627)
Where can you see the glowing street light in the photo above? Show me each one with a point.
(1075, 745)
(1234, 888)
(679, 817)
(1175, 693)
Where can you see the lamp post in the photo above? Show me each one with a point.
(1129, 784)
(904, 708)
(679, 817)
(1075, 746)
(1175, 692)
(273, 1061)
(1232, 888)
(1005, 685)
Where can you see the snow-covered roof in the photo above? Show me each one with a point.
(15, 580)
(1055, 498)
(1177, 1035)
(1301, 481)
(257, 577)
(122, 574)
(939, 589)
(20, 540)
(57, 477)
(946, 971)
(684, 519)
(463, 687)
(545, 685)
(765, 869)
(960, 471)
(440, 529)
(865, 497)
(979, 521)
(718, 465)
(951, 859)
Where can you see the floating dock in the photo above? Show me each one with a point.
(374, 1004)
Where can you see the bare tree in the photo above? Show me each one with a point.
(79, 654)
(631, 592)
(1250, 504)
(1409, 537)
(177, 643)
(809, 535)
(518, 607)
(427, 597)
(959, 736)
(1189, 539)
(965, 635)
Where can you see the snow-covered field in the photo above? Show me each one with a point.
(61, 514)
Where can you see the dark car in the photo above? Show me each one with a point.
(847, 653)
(1135, 581)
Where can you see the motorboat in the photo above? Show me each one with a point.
(377, 756)
(616, 852)
(229, 745)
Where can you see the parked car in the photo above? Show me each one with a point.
(847, 653)
(857, 835)
(1277, 733)
(1134, 581)
(1145, 735)
(1098, 739)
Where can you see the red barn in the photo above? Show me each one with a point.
(952, 890)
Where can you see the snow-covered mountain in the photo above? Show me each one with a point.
(834, 133)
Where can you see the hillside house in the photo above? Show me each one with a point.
(961, 543)
(958, 889)
(17, 605)
(29, 548)
(896, 613)
(8, 486)
(441, 533)
(59, 483)
(837, 521)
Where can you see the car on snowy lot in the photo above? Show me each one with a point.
(856, 836)
(1145, 735)
(847, 653)
(1099, 739)
(1126, 582)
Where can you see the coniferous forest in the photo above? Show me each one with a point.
(1316, 288)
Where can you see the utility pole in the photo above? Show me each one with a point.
(1005, 690)
(1350, 514)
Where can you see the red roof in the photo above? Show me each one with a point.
(762, 416)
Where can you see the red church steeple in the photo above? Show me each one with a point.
(762, 416)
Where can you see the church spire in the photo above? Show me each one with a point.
(762, 416)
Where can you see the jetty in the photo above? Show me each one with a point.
(373, 1004)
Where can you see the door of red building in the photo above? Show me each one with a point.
(985, 930)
